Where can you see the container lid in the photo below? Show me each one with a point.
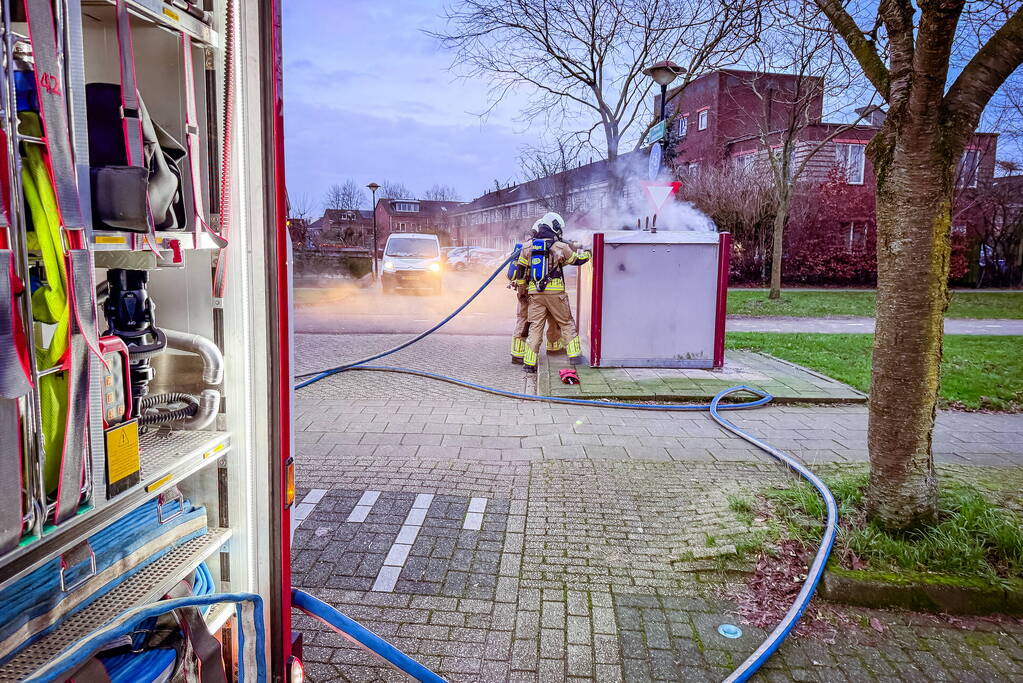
(660, 237)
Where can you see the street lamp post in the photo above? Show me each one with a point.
(373, 187)
(664, 73)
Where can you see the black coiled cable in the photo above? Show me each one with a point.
(160, 417)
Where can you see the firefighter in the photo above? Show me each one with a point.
(517, 276)
(545, 260)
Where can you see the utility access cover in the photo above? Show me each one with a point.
(658, 193)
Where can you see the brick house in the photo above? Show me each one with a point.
(340, 229)
(414, 215)
(724, 117)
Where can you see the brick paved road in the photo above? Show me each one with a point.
(579, 566)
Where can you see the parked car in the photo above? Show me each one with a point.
(486, 259)
(411, 261)
(457, 258)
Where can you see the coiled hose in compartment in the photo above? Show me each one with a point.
(172, 415)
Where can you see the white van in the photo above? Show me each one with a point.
(411, 261)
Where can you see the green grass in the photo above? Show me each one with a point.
(972, 538)
(977, 372)
(754, 302)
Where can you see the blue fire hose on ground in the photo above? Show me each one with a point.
(377, 645)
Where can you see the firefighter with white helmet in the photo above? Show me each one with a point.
(517, 274)
(544, 261)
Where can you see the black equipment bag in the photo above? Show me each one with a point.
(119, 191)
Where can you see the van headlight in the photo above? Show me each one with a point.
(388, 265)
(435, 267)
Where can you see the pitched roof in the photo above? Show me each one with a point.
(581, 176)
(428, 207)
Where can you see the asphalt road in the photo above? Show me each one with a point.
(340, 306)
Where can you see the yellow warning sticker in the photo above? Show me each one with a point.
(122, 451)
(172, 15)
(110, 239)
(213, 451)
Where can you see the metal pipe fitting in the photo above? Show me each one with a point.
(212, 359)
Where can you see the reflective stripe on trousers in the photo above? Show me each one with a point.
(518, 347)
(575, 348)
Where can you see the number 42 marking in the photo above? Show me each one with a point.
(49, 83)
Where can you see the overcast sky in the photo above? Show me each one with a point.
(368, 96)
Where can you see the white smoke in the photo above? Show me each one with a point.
(637, 212)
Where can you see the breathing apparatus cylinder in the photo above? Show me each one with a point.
(131, 315)
(539, 263)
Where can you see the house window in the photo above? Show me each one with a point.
(408, 207)
(683, 125)
(966, 174)
(694, 169)
(850, 158)
(744, 162)
(702, 121)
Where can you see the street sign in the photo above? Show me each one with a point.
(657, 132)
(658, 193)
(654, 162)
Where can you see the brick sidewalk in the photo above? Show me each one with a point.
(509, 540)
(574, 575)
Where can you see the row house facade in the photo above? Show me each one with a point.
(340, 229)
(723, 117)
(415, 215)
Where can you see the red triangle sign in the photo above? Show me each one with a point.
(658, 193)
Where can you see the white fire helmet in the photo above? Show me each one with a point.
(554, 221)
(535, 228)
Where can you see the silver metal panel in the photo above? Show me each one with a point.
(659, 304)
(184, 296)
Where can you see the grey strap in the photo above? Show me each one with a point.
(14, 383)
(83, 335)
(53, 111)
(131, 114)
(192, 144)
(208, 650)
(131, 117)
(10, 475)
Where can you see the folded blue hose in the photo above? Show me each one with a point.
(251, 636)
(40, 594)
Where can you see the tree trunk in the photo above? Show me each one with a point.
(780, 218)
(914, 199)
